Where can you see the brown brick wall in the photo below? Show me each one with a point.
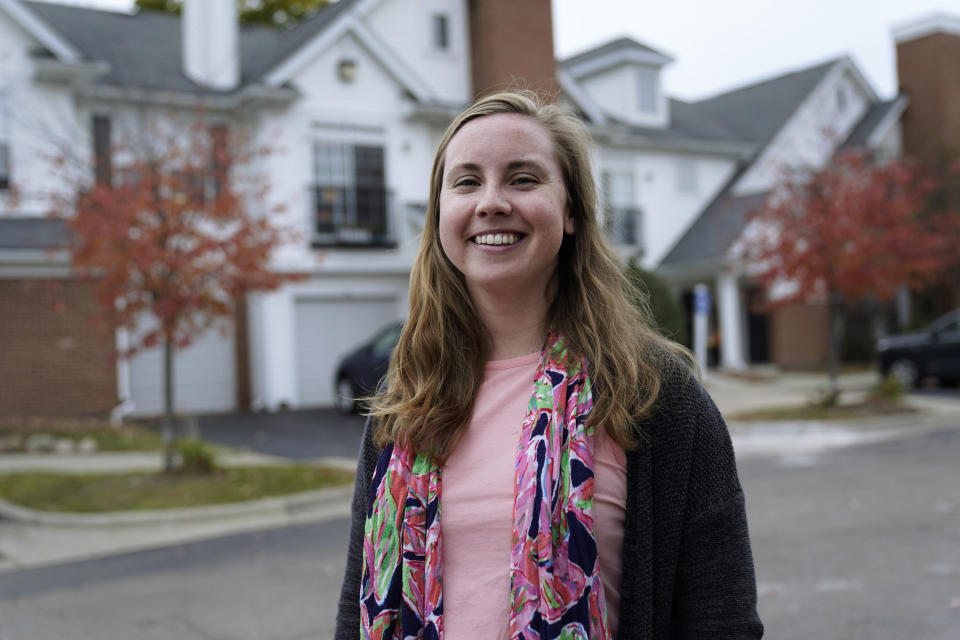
(799, 336)
(929, 72)
(52, 359)
(511, 44)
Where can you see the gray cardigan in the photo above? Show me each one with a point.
(687, 565)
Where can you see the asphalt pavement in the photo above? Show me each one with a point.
(859, 542)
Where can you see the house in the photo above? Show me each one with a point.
(355, 99)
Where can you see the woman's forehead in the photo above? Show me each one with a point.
(501, 138)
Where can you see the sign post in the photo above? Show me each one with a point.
(701, 324)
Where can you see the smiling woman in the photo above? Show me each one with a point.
(585, 481)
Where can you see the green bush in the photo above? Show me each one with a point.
(195, 456)
(889, 389)
(654, 293)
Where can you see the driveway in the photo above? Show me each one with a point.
(297, 435)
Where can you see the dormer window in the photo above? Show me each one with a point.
(647, 90)
(441, 31)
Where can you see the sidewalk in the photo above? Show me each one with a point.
(30, 539)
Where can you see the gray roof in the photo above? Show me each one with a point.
(749, 115)
(609, 47)
(709, 237)
(144, 48)
(876, 115)
(32, 233)
(753, 113)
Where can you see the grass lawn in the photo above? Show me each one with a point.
(818, 412)
(94, 493)
(129, 437)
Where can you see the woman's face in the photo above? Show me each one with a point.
(503, 205)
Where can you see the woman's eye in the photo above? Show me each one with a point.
(522, 180)
(465, 182)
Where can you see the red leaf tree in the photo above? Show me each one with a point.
(161, 229)
(852, 229)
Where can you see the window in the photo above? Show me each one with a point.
(441, 32)
(4, 141)
(647, 90)
(350, 196)
(102, 162)
(687, 175)
(622, 215)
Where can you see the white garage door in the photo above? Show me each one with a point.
(325, 331)
(204, 377)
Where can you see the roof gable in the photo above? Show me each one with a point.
(50, 38)
(613, 53)
(144, 49)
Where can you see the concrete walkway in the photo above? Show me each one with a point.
(29, 538)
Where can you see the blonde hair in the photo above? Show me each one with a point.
(438, 363)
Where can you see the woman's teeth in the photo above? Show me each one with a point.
(496, 238)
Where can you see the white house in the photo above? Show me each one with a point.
(355, 100)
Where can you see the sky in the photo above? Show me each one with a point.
(718, 46)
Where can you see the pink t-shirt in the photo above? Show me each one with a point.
(477, 507)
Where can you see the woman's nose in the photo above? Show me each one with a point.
(493, 201)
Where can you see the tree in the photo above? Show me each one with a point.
(275, 13)
(849, 230)
(161, 229)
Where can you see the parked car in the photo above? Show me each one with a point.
(360, 371)
(933, 352)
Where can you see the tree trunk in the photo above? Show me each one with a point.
(169, 421)
(835, 308)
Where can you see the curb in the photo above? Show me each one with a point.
(283, 506)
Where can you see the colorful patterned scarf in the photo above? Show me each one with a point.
(555, 588)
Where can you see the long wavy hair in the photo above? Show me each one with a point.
(438, 363)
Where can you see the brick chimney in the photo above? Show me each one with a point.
(928, 65)
(511, 45)
(211, 47)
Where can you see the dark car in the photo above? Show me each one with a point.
(360, 371)
(934, 352)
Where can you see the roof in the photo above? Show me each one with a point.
(709, 237)
(32, 233)
(749, 115)
(874, 121)
(144, 48)
(619, 45)
(757, 111)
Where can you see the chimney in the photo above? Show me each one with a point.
(210, 36)
(928, 66)
(511, 45)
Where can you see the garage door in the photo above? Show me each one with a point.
(326, 330)
(204, 377)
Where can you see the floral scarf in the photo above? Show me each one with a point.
(555, 588)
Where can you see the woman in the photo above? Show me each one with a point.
(541, 463)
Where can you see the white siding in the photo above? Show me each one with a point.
(667, 213)
(406, 26)
(617, 91)
(810, 137)
(40, 122)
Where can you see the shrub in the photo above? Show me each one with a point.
(655, 294)
(889, 389)
(195, 456)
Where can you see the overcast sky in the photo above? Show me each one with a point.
(720, 45)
